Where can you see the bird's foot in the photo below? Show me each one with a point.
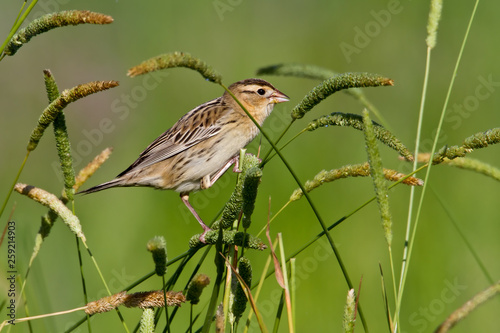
(236, 168)
(202, 236)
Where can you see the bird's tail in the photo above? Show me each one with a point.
(103, 186)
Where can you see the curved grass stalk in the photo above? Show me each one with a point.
(176, 59)
(49, 200)
(476, 166)
(337, 83)
(469, 306)
(329, 86)
(356, 170)
(355, 121)
(320, 73)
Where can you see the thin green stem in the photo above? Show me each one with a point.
(412, 190)
(227, 290)
(84, 286)
(260, 284)
(220, 264)
(274, 216)
(473, 252)
(279, 312)
(293, 275)
(20, 13)
(267, 158)
(165, 300)
(134, 284)
(14, 182)
(16, 26)
(342, 219)
(283, 147)
(191, 319)
(173, 279)
(105, 284)
(291, 327)
(441, 120)
(393, 274)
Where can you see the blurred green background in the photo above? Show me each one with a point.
(237, 38)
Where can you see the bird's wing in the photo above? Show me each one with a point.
(196, 126)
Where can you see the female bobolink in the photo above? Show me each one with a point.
(201, 145)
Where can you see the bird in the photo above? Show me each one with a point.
(202, 145)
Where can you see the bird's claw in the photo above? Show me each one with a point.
(202, 236)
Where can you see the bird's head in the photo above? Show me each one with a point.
(257, 96)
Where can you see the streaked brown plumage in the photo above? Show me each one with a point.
(201, 145)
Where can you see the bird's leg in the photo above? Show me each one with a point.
(185, 199)
(208, 181)
(236, 167)
(237, 162)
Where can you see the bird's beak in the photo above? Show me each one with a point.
(278, 97)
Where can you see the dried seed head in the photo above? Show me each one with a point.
(356, 170)
(143, 300)
(106, 304)
(92, 167)
(153, 299)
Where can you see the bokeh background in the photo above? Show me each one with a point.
(237, 38)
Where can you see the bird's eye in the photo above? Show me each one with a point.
(261, 92)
